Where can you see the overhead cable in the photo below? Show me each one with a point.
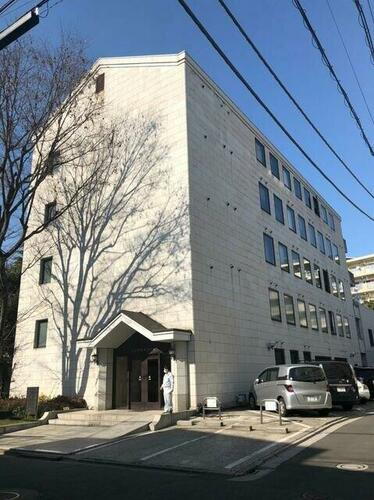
(332, 72)
(291, 97)
(266, 108)
(365, 27)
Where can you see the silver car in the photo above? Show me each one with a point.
(296, 387)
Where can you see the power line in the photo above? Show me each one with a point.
(332, 72)
(288, 93)
(365, 27)
(371, 11)
(7, 5)
(350, 60)
(266, 108)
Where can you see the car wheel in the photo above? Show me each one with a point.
(323, 413)
(252, 402)
(363, 401)
(347, 407)
(283, 408)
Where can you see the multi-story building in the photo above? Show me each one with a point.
(265, 276)
(362, 269)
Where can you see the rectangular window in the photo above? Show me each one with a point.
(283, 257)
(40, 339)
(274, 165)
(308, 271)
(280, 358)
(326, 279)
(291, 219)
(287, 178)
(313, 317)
(290, 309)
(294, 356)
(296, 264)
(303, 320)
(307, 356)
(321, 243)
(323, 319)
(45, 273)
(358, 327)
(49, 212)
(317, 276)
(329, 248)
(100, 83)
(324, 214)
(297, 188)
(278, 207)
(316, 205)
(347, 328)
(371, 338)
(52, 162)
(307, 198)
(302, 227)
(331, 221)
(312, 235)
(339, 324)
(334, 286)
(264, 198)
(275, 308)
(260, 152)
(341, 290)
(336, 254)
(332, 323)
(269, 249)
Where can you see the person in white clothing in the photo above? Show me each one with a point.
(168, 387)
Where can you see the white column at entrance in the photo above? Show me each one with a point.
(105, 379)
(179, 369)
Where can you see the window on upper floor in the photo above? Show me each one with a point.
(329, 248)
(339, 325)
(290, 309)
(287, 178)
(316, 206)
(336, 254)
(326, 280)
(283, 257)
(317, 276)
(371, 338)
(341, 290)
(45, 272)
(50, 210)
(358, 327)
(294, 356)
(321, 242)
(269, 249)
(296, 264)
(100, 83)
(302, 227)
(52, 162)
(313, 317)
(297, 188)
(275, 307)
(278, 207)
(303, 320)
(331, 221)
(279, 356)
(307, 198)
(291, 219)
(323, 320)
(334, 286)
(274, 166)
(40, 338)
(324, 214)
(264, 198)
(308, 271)
(260, 152)
(312, 235)
(332, 323)
(347, 328)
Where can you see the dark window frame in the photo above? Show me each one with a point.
(274, 165)
(283, 262)
(268, 238)
(323, 314)
(301, 323)
(37, 342)
(42, 270)
(308, 272)
(99, 83)
(312, 235)
(278, 209)
(294, 253)
(277, 318)
(291, 218)
(307, 198)
(315, 315)
(264, 197)
(259, 147)
(286, 174)
(50, 210)
(302, 227)
(298, 190)
(332, 323)
(288, 301)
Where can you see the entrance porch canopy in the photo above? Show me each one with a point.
(122, 326)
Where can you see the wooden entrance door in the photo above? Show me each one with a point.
(145, 383)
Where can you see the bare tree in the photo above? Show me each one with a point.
(122, 240)
(47, 107)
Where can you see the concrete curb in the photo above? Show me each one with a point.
(19, 427)
(169, 419)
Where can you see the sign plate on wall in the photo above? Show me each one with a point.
(32, 396)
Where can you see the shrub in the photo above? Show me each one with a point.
(17, 406)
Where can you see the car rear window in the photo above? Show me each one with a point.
(307, 374)
(340, 372)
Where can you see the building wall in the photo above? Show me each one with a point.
(230, 278)
(363, 272)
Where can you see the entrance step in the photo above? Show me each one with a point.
(108, 418)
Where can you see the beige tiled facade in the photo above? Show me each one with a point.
(226, 279)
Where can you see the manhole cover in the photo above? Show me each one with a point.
(354, 467)
(9, 495)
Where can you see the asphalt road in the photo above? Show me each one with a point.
(310, 475)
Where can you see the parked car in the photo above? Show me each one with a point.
(365, 374)
(296, 387)
(342, 383)
(363, 392)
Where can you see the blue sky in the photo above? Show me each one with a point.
(131, 27)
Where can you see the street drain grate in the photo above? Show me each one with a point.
(352, 467)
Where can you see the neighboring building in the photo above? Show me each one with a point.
(364, 322)
(265, 278)
(362, 269)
